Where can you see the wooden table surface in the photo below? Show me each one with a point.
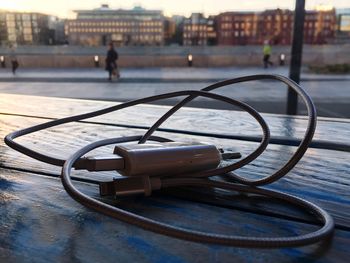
(40, 222)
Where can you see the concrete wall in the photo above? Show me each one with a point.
(216, 56)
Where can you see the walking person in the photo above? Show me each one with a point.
(14, 61)
(267, 53)
(111, 62)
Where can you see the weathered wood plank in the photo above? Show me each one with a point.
(192, 119)
(39, 218)
(41, 223)
(321, 177)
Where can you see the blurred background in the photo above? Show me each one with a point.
(58, 48)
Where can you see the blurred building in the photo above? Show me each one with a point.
(237, 28)
(199, 31)
(124, 27)
(195, 30)
(276, 26)
(212, 38)
(26, 28)
(320, 26)
(343, 26)
(169, 30)
(57, 26)
(178, 36)
(139, 27)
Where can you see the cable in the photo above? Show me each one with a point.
(165, 229)
(9, 139)
(196, 179)
(303, 146)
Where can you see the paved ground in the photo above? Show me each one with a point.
(98, 74)
(330, 93)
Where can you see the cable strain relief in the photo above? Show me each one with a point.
(124, 186)
(156, 183)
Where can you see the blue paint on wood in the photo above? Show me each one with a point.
(5, 184)
(321, 196)
(60, 229)
(157, 254)
(297, 254)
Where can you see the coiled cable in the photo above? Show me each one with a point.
(197, 179)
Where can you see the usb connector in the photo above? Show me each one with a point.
(112, 162)
(123, 186)
(141, 165)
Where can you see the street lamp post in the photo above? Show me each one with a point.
(297, 49)
(97, 61)
(282, 59)
(189, 60)
(2, 61)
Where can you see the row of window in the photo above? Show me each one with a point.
(133, 24)
(278, 17)
(315, 34)
(237, 34)
(269, 25)
(202, 35)
(120, 38)
(229, 18)
(195, 27)
(26, 37)
(316, 15)
(199, 42)
(25, 30)
(233, 18)
(228, 31)
(236, 25)
(122, 30)
(113, 16)
(24, 23)
(12, 17)
(243, 34)
(147, 38)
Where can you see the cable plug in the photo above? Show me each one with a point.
(111, 162)
(124, 186)
(229, 155)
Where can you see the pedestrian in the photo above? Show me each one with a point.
(267, 54)
(111, 62)
(14, 61)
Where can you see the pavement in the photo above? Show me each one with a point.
(331, 93)
(154, 74)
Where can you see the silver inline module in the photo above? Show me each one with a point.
(167, 158)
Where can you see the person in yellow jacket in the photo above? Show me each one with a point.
(267, 53)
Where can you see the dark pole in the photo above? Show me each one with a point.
(297, 50)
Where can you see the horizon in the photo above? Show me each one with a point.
(65, 9)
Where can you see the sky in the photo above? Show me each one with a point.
(63, 8)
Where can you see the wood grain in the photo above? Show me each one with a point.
(40, 222)
(321, 176)
(31, 205)
(192, 119)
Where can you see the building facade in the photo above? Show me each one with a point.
(276, 26)
(343, 26)
(320, 26)
(177, 38)
(237, 28)
(140, 27)
(199, 31)
(18, 28)
(195, 30)
(123, 27)
(169, 30)
(211, 31)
